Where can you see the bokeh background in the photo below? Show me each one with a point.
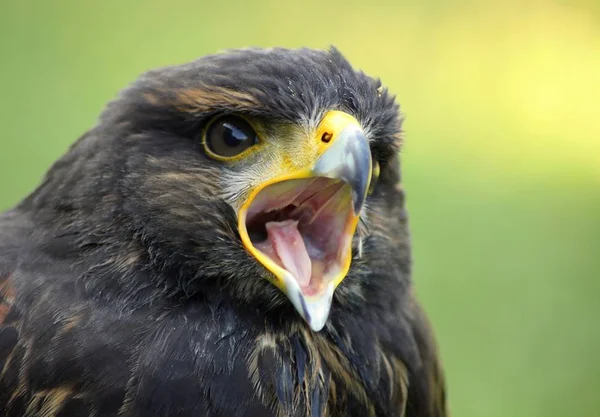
(501, 162)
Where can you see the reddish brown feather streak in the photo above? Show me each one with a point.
(7, 296)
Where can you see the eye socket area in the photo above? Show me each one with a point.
(227, 137)
(374, 176)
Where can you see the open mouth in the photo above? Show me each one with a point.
(300, 222)
(303, 228)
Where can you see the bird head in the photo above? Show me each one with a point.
(272, 172)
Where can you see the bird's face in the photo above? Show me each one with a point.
(260, 168)
(298, 193)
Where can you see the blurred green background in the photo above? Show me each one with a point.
(501, 162)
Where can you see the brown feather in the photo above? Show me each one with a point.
(7, 297)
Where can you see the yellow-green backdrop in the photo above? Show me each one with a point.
(501, 162)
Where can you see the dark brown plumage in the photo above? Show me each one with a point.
(125, 289)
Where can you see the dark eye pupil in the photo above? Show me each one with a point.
(230, 136)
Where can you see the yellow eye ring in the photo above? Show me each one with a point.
(229, 138)
(374, 176)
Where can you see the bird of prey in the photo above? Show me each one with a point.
(230, 239)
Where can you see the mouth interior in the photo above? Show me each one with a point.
(305, 227)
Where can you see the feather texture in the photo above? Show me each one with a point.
(125, 289)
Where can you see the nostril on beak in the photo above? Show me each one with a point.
(326, 137)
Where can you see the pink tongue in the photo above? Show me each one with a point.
(289, 246)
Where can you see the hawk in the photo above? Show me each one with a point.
(230, 239)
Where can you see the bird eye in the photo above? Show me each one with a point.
(374, 176)
(229, 136)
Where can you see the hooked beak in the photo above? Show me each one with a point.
(300, 225)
